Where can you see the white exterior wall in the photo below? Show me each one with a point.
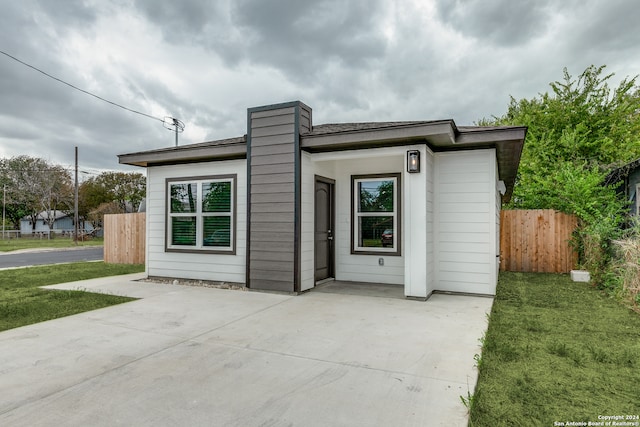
(340, 166)
(465, 217)
(417, 225)
(216, 267)
(363, 268)
(307, 261)
(428, 168)
(310, 169)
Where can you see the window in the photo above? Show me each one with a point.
(201, 214)
(375, 219)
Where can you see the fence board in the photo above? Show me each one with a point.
(537, 240)
(124, 238)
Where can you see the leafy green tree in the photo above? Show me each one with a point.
(33, 186)
(576, 133)
(109, 193)
(91, 194)
(125, 189)
(128, 189)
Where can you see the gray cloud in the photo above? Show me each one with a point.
(502, 22)
(300, 38)
(206, 62)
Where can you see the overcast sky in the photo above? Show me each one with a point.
(207, 61)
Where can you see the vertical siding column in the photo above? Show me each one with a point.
(414, 210)
(273, 195)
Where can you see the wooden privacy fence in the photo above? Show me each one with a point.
(537, 241)
(124, 238)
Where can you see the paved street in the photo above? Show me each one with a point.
(56, 256)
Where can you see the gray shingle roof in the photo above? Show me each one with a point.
(351, 127)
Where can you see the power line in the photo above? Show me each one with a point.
(81, 90)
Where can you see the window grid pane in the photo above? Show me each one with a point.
(217, 231)
(216, 196)
(183, 231)
(376, 195)
(376, 232)
(184, 198)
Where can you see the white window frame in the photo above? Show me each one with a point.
(200, 215)
(356, 249)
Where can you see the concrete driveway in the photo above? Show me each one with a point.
(209, 357)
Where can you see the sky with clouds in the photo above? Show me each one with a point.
(205, 62)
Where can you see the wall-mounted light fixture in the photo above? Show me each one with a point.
(413, 161)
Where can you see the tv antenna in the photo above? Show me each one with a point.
(174, 125)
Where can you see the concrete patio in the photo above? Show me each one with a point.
(195, 356)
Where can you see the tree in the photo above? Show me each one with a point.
(126, 188)
(96, 216)
(33, 186)
(56, 194)
(91, 194)
(109, 193)
(575, 135)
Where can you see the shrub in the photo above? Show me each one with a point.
(627, 269)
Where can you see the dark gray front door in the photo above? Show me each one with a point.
(323, 228)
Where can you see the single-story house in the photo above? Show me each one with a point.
(63, 223)
(627, 181)
(291, 204)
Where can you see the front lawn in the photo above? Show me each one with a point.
(23, 303)
(556, 352)
(7, 245)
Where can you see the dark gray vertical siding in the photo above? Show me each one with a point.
(305, 119)
(272, 193)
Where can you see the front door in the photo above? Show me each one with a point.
(324, 202)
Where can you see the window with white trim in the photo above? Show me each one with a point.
(375, 219)
(201, 214)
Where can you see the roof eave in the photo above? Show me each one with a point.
(442, 132)
(178, 155)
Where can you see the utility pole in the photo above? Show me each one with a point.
(75, 204)
(4, 204)
(175, 124)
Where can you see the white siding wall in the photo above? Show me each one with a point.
(307, 266)
(429, 176)
(360, 268)
(228, 268)
(416, 222)
(465, 184)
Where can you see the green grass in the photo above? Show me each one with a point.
(7, 245)
(23, 303)
(556, 351)
(372, 243)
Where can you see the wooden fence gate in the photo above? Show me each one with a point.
(124, 238)
(537, 241)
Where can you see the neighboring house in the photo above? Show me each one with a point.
(627, 178)
(290, 204)
(63, 224)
